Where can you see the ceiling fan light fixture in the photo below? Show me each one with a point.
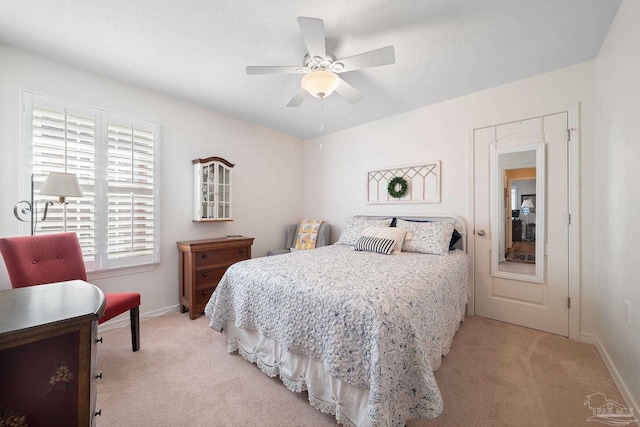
(320, 83)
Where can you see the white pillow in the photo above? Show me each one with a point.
(355, 225)
(427, 237)
(393, 233)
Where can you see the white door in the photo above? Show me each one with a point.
(510, 290)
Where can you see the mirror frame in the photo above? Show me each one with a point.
(497, 211)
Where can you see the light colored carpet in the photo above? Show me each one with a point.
(496, 374)
(524, 247)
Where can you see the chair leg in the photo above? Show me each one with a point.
(134, 314)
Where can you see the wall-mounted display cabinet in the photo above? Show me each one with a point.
(212, 189)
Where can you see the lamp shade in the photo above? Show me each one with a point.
(527, 203)
(61, 185)
(320, 83)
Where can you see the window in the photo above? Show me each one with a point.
(115, 160)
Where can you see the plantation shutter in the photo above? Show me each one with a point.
(115, 160)
(131, 183)
(65, 142)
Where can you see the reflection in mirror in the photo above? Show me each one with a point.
(516, 222)
(519, 245)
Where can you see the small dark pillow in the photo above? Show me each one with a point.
(374, 244)
(455, 236)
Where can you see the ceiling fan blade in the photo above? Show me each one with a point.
(348, 92)
(313, 34)
(373, 58)
(298, 97)
(259, 69)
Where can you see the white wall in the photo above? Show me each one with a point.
(618, 195)
(336, 164)
(267, 187)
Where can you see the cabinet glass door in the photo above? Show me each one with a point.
(224, 192)
(213, 189)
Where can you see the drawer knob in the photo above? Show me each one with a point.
(99, 376)
(204, 292)
(204, 255)
(241, 250)
(205, 274)
(99, 340)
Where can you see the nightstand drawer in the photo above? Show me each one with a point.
(221, 256)
(211, 275)
(203, 295)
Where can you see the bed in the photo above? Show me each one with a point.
(362, 332)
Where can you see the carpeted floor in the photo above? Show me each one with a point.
(528, 248)
(496, 374)
(522, 252)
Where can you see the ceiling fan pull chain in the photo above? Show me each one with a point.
(321, 116)
(321, 121)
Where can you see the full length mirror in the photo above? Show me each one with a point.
(517, 212)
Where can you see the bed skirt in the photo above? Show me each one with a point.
(299, 373)
(348, 403)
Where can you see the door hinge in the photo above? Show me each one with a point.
(568, 219)
(568, 302)
(568, 135)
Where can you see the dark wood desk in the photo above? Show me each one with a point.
(48, 354)
(516, 230)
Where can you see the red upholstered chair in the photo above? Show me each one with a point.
(35, 260)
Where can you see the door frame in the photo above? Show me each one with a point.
(573, 186)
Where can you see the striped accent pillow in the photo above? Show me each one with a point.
(375, 244)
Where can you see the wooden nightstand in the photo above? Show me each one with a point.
(202, 265)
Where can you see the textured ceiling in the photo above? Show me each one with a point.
(197, 50)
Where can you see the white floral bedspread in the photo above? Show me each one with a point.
(381, 322)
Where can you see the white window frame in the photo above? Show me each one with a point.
(101, 266)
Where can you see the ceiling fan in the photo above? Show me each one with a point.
(321, 69)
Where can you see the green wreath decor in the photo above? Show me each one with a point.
(391, 188)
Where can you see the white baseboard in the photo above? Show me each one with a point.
(617, 378)
(113, 324)
(588, 339)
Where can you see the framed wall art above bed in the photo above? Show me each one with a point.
(417, 183)
(362, 331)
